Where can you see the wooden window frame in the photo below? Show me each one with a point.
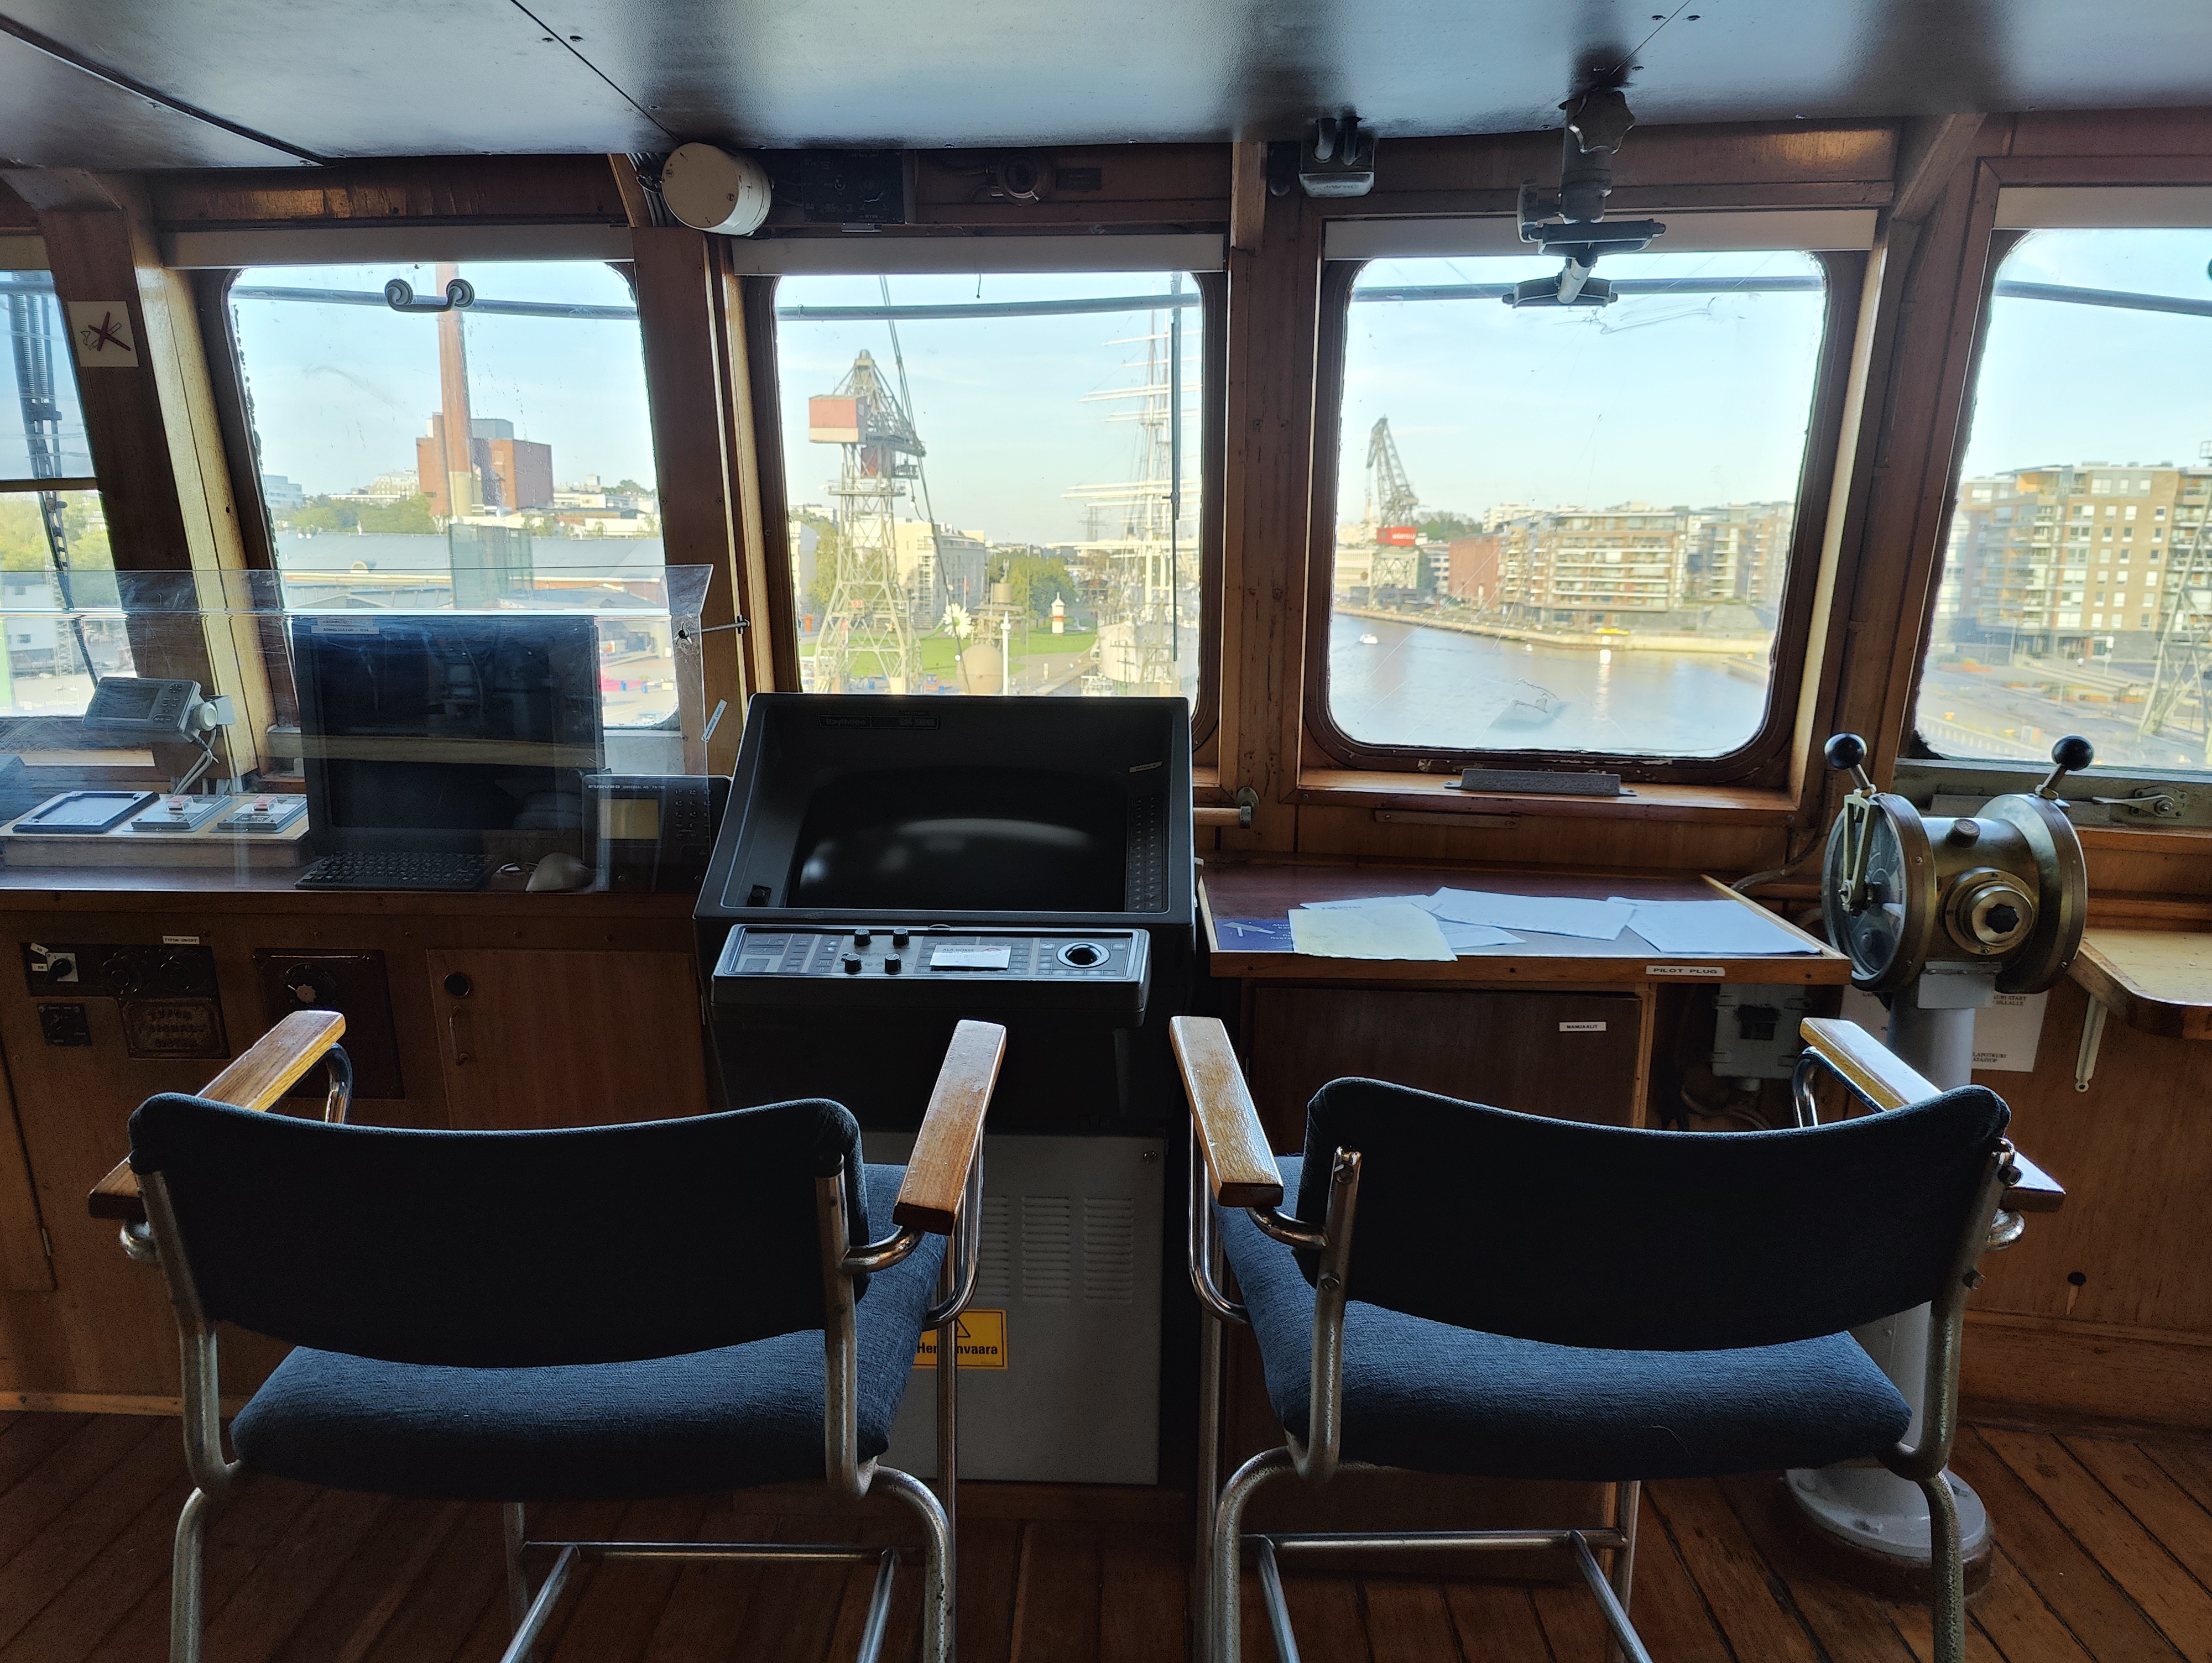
(760, 324)
(1764, 760)
(1920, 769)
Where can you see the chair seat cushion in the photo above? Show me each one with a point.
(1436, 1399)
(709, 1420)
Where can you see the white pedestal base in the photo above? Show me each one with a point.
(1868, 1507)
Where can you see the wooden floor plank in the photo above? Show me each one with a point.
(1495, 1623)
(1665, 1602)
(2163, 1508)
(72, 1467)
(469, 1572)
(1849, 1626)
(1326, 1615)
(1143, 1602)
(2072, 1583)
(83, 1609)
(344, 1625)
(707, 1602)
(72, 1539)
(2189, 1465)
(1058, 1610)
(1407, 1616)
(2017, 1622)
(614, 1622)
(1915, 1622)
(990, 1561)
(792, 1610)
(2178, 1604)
(324, 1544)
(29, 1441)
(242, 1536)
(1574, 1629)
(1725, 1563)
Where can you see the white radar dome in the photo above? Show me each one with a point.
(710, 190)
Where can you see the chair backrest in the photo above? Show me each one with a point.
(1604, 1236)
(504, 1248)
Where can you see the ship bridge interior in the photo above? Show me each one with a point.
(1105, 835)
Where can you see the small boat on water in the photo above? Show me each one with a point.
(1370, 640)
(1532, 707)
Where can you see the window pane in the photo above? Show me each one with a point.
(42, 670)
(982, 479)
(42, 427)
(460, 458)
(1567, 529)
(2076, 595)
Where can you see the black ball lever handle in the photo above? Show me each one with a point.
(1846, 754)
(2070, 756)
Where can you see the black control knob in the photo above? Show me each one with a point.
(891, 965)
(2070, 756)
(899, 937)
(1847, 754)
(861, 937)
(852, 961)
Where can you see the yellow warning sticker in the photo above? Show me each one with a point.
(982, 1343)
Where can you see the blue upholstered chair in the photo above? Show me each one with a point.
(675, 1307)
(1531, 1298)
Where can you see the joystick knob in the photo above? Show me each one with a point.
(1846, 754)
(2070, 756)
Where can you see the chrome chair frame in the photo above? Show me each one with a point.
(216, 1477)
(1317, 1458)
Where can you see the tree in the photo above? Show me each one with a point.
(410, 516)
(318, 513)
(1034, 581)
(1443, 527)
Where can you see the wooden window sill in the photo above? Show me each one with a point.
(1428, 794)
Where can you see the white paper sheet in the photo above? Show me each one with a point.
(1466, 938)
(1395, 931)
(1462, 938)
(1553, 915)
(1711, 929)
(1367, 900)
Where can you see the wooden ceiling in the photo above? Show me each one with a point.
(141, 84)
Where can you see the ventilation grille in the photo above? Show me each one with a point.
(1048, 1246)
(1110, 1249)
(995, 1275)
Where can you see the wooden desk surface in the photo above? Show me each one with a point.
(2158, 980)
(1269, 891)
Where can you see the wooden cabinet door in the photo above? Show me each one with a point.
(533, 1040)
(1571, 1056)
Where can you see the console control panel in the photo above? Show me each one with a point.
(1105, 973)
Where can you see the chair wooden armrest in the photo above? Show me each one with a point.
(1240, 1167)
(1875, 1072)
(257, 1079)
(936, 1172)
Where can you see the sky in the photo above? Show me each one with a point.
(1696, 399)
(2066, 383)
(341, 392)
(1000, 402)
(1699, 399)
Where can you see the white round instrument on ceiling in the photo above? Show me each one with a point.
(710, 189)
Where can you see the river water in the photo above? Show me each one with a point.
(1420, 686)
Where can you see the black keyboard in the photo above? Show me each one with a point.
(396, 872)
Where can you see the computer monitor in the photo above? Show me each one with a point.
(447, 732)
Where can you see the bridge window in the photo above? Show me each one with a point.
(996, 484)
(2061, 417)
(1567, 531)
(465, 457)
(53, 537)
